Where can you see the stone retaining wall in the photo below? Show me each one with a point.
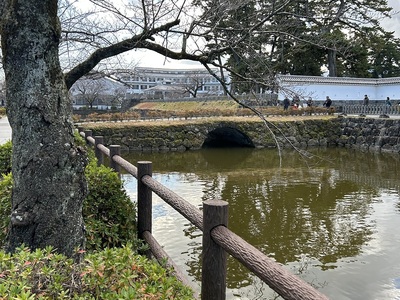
(370, 134)
(360, 133)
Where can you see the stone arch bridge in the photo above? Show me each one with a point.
(352, 132)
(196, 134)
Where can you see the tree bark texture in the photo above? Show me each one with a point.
(332, 63)
(48, 169)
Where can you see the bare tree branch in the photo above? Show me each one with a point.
(113, 50)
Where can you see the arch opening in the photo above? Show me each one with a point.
(227, 137)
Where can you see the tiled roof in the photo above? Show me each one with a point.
(299, 79)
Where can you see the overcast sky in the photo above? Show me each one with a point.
(393, 24)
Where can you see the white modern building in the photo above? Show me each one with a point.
(165, 83)
(338, 88)
(130, 86)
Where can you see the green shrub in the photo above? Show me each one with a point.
(111, 268)
(2, 111)
(108, 212)
(5, 205)
(116, 273)
(5, 157)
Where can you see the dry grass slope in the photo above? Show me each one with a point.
(188, 105)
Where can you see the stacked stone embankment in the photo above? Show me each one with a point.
(372, 134)
(360, 133)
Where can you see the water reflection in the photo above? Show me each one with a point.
(317, 217)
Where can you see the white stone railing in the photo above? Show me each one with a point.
(371, 109)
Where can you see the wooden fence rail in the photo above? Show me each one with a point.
(218, 240)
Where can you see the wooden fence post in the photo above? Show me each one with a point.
(115, 150)
(99, 155)
(213, 281)
(144, 201)
(87, 134)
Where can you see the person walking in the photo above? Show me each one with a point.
(286, 103)
(366, 100)
(309, 102)
(388, 104)
(328, 102)
(296, 100)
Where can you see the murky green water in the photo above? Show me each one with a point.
(333, 219)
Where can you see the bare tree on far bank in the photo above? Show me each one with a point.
(89, 90)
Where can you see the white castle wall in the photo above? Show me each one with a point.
(338, 88)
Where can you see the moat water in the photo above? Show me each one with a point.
(332, 218)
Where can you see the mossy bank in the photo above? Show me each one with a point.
(320, 131)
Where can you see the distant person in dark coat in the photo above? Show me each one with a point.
(366, 100)
(328, 102)
(286, 103)
(309, 102)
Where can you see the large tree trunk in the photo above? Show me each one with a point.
(332, 63)
(48, 169)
